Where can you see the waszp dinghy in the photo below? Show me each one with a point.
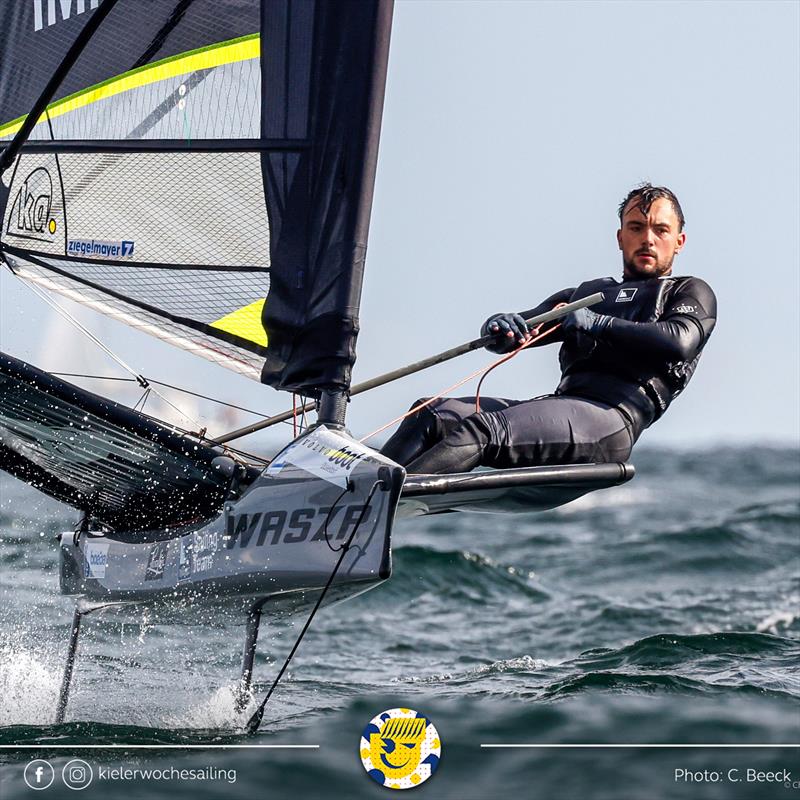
(203, 172)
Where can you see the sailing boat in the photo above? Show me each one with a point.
(203, 171)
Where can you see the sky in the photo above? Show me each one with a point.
(511, 131)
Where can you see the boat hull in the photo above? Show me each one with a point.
(280, 540)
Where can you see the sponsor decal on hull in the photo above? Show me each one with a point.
(300, 525)
(96, 559)
(184, 563)
(204, 546)
(323, 454)
(156, 562)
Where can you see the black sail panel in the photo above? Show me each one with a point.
(320, 199)
(36, 35)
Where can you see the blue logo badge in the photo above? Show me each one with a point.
(400, 748)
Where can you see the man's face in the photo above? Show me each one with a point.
(649, 243)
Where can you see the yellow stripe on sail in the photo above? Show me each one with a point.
(245, 322)
(215, 55)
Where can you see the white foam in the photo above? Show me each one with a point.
(776, 620)
(520, 664)
(608, 498)
(217, 711)
(28, 687)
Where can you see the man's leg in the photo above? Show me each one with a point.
(423, 429)
(548, 430)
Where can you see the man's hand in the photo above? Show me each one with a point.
(508, 330)
(585, 321)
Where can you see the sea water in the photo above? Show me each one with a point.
(664, 612)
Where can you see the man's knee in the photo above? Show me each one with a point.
(421, 402)
(474, 429)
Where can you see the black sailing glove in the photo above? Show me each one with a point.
(587, 322)
(509, 330)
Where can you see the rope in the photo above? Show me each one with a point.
(167, 385)
(328, 516)
(255, 720)
(142, 400)
(529, 341)
(86, 332)
(532, 338)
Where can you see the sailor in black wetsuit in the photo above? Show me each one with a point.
(622, 362)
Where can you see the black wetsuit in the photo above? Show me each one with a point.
(611, 389)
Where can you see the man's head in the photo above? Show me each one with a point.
(651, 231)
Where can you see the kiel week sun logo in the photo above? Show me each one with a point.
(31, 214)
(400, 749)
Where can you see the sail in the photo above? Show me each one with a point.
(203, 170)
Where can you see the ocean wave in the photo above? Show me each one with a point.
(787, 619)
(663, 650)
(519, 665)
(615, 498)
(646, 683)
(113, 734)
(460, 573)
(778, 511)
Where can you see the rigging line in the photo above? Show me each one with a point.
(417, 366)
(237, 450)
(142, 400)
(261, 459)
(255, 720)
(532, 337)
(304, 419)
(533, 332)
(167, 385)
(73, 321)
(331, 510)
(93, 377)
(529, 341)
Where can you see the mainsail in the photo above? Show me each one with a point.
(204, 171)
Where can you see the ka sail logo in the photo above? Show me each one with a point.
(626, 295)
(400, 748)
(31, 214)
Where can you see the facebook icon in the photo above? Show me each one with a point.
(39, 774)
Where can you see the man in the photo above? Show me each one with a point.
(622, 362)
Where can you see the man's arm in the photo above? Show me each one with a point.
(680, 334)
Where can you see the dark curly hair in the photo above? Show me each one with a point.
(646, 193)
